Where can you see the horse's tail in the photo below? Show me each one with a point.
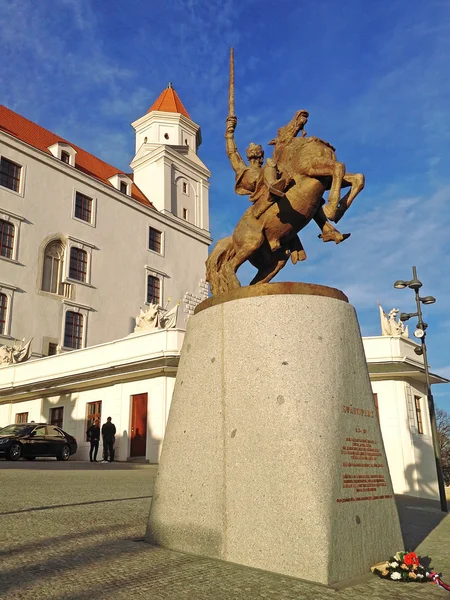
(222, 252)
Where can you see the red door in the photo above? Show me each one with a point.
(138, 425)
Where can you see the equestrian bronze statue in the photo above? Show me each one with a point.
(286, 194)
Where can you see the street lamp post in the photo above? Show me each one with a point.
(420, 333)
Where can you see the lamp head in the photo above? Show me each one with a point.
(418, 350)
(415, 284)
(428, 300)
(399, 284)
(404, 316)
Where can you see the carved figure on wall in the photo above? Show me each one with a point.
(157, 317)
(19, 352)
(390, 326)
(287, 193)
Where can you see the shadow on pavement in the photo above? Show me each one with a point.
(50, 464)
(87, 503)
(418, 517)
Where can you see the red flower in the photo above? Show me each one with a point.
(411, 559)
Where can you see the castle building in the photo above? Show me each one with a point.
(83, 245)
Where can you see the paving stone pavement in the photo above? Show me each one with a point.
(73, 531)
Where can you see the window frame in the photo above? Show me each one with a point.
(419, 416)
(82, 310)
(7, 232)
(15, 221)
(8, 291)
(50, 416)
(20, 190)
(73, 242)
(93, 199)
(159, 288)
(90, 417)
(78, 264)
(61, 269)
(77, 322)
(161, 240)
(64, 155)
(18, 418)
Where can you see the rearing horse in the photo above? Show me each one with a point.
(269, 241)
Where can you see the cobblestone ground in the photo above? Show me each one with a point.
(71, 531)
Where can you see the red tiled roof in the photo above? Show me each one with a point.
(169, 101)
(38, 137)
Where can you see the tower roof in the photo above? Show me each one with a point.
(169, 101)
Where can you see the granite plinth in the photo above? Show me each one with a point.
(273, 456)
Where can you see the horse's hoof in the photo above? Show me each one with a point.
(344, 237)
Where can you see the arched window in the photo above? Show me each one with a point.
(78, 264)
(53, 267)
(6, 239)
(73, 330)
(3, 309)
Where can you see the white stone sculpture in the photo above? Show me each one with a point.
(156, 317)
(19, 352)
(391, 327)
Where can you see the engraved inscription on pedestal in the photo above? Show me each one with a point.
(362, 461)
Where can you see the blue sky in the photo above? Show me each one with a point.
(373, 75)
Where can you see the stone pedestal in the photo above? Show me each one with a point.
(273, 456)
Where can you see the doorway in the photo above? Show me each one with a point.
(138, 444)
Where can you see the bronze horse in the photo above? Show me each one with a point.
(268, 242)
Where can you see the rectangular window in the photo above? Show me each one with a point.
(6, 239)
(3, 309)
(21, 418)
(65, 157)
(83, 207)
(73, 331)
(153, 290)
(417, 403)
(56, 416)
(78, 264)
(10, 174)
(123, 187)
(154, 240)
(185, 213)
(52, 349)
(93, 412)
(375, 401)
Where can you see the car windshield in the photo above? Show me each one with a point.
(15, 429)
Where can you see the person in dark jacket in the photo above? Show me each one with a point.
(93, 434)
(108, 433)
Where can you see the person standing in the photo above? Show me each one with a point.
(93, 434)
(108, 434)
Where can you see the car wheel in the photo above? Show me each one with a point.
(15, 452)
(65, 453)
(30, 458)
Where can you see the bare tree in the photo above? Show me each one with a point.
(443, 429)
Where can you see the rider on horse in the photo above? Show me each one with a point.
(263, 183)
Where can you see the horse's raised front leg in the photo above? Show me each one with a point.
(356, 181)
(323, 167)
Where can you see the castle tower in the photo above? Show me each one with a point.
(166, 166)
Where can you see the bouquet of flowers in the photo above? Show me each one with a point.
(406, 566)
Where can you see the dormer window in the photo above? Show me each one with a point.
(122, 183)
(63, 152)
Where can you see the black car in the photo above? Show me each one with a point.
(29, 440)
